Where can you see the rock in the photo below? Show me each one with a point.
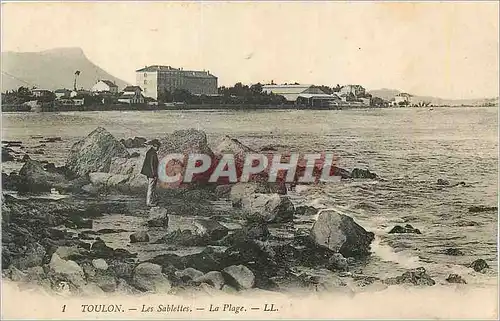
(69, 270)
(362, 173)
(35, 273)
(229, 289)
(306, 210)
(188, 274)
(186, 141)
(7, 154)
(33, 178)
(455, 278)
(108, 180)
(239, 191)
(158, 217)
(67, 252)
(453, 252)
(148, 277)
(325, 282)
(33, 256)
(232, 146)
(210, 229)
(337, 262)
(223, 191)
(123, 269)
(443, 182)
(239, 276)
(135, 142)
(268, 208)
(481, 208)
(16, 275)
(184, 238)
(124, 288)
(214, 278)
(126, 166)
(479, 265)
(416, 276)
(94, 152)
(141, 236)
(467, 223)
(100, 264)
(406, 229)
(339, 233)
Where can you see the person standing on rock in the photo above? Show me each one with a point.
(150, 169)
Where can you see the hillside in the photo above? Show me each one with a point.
(51, 69)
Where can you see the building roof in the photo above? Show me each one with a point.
(64, 91)
(156, 68)
(323, 96)
(185, 73)
(132, 88)
(109, 83)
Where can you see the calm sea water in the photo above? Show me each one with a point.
(408, 148)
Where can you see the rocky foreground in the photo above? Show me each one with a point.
(51, 243)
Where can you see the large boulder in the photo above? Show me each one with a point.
(268, 208)
(67, 270)
(416, 276)
(148, 277)
(239, 191)
(158, 217)
(135, 142)
(214, 278)
(140, 236)
(233, 146)
(94, 152)
(339, 233)
(407, 229)
(34, 178)
(186, 141)
(239, 276)
(126, 166)
(210, 229)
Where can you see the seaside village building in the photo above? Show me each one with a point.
(131, 95)
(402, 98)
(157, 79)
(105, 86)
(307, 95)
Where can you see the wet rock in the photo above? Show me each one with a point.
(99, 249)
(228, 289)
(188, 274)
(74, 221)
(479, 265)
(184, 238)
(100, 264)
(51, 140)
(338, 262)
(122, 269)
(33, 178)
(239, 276)
(135, 142)
(110, 231)
(455, 278)
(214, 278)
(16, 275)
(11, 181)
(443, 182)
(362, 173)
(68, 252)
(453, 251)
(268, 208)
(105, 280)
(158, 217)
(124, 288)
(68, 270)
(186, 141)
(416, 276)
(149, 277)
(94, 152)
(35, 273)
(108, 180)
(210, 229)
(339, 233)
(306, 210)
(404, 229)
(141, 236)
(481, 208)
(325, 282)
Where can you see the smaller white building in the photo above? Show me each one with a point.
(402, 98)
(105, 86)
(131, 95)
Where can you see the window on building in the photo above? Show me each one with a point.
(145, 75)
(145, 82)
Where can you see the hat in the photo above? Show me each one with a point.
(155, 142)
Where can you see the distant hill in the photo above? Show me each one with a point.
(51, 69)
(389, 94)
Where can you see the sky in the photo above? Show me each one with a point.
(448, 50)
